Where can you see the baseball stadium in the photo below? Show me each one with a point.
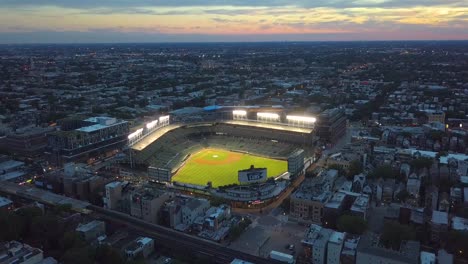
(215, 154)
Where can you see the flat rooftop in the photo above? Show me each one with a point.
(41, 195)
(282, 127)
(4, 201)
(145, 142)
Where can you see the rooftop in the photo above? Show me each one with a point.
(279, 126)
(4, 202)
(89, 226)
(439, 217)
(337, 237)
(361, 203)
(9, 165)
(459, 223)
(336, 200)
(408, 253)
(428, 257)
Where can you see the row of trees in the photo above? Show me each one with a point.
(55, 236)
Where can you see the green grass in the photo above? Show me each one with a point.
(198, 170)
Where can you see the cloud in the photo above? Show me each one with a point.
(87, 4)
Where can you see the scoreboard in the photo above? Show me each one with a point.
(252, 175)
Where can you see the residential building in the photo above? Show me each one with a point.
(335, 245)
(146, 204)
(113, 195)
(296, 162)
(16, 252)
(348, 252)
(427, 258)
(92, 230)
(142, 246)
(370, 251)
(435, 116)
(331, 125)
(439, 224)
(315, 243)
(80, 140)
(308, 201)
(5, 204)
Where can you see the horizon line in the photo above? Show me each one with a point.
(232, 41)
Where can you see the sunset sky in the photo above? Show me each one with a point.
(39, 21)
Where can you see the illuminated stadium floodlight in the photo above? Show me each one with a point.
(268, 117)
(136, 134)
(305, 119)
(239, 114)
(164, 120)
(152, 124)
(301, 121)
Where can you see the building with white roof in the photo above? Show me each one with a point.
(16, 252)
(92, 230)
(142, 246)
(79, 138)
(439, 224)
(427, 257)
(335, 245)
(113, 194)
(459, 223)
(5, 204)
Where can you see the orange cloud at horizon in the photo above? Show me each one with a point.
(248, 20)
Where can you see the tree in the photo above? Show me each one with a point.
(421, 163)
(384, 171)
(108, 255)
(309, 174)
(355, 167)
(351, 224)
(458, 243)
(72, 240)
(403, 195)
(217, 201)
(337, 167)
(12, 226)
(77, 256)
(47, 229)
(394, 233)
(286, 205)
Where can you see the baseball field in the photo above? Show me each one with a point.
(221, 166)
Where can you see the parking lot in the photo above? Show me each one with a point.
(271, 232)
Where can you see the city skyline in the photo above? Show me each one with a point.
(53, 21)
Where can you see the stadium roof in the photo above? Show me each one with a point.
(271, 126)
(212, 107)
(142, 144)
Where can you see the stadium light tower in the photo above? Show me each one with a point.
(268, 117)
(301, 121)
(239, 115)
(151, 125)
(135, 136)
(164, 120)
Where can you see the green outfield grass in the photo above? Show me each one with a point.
(221, 167)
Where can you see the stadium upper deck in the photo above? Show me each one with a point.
(282, 127)
(149, 139)
(142, 144)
